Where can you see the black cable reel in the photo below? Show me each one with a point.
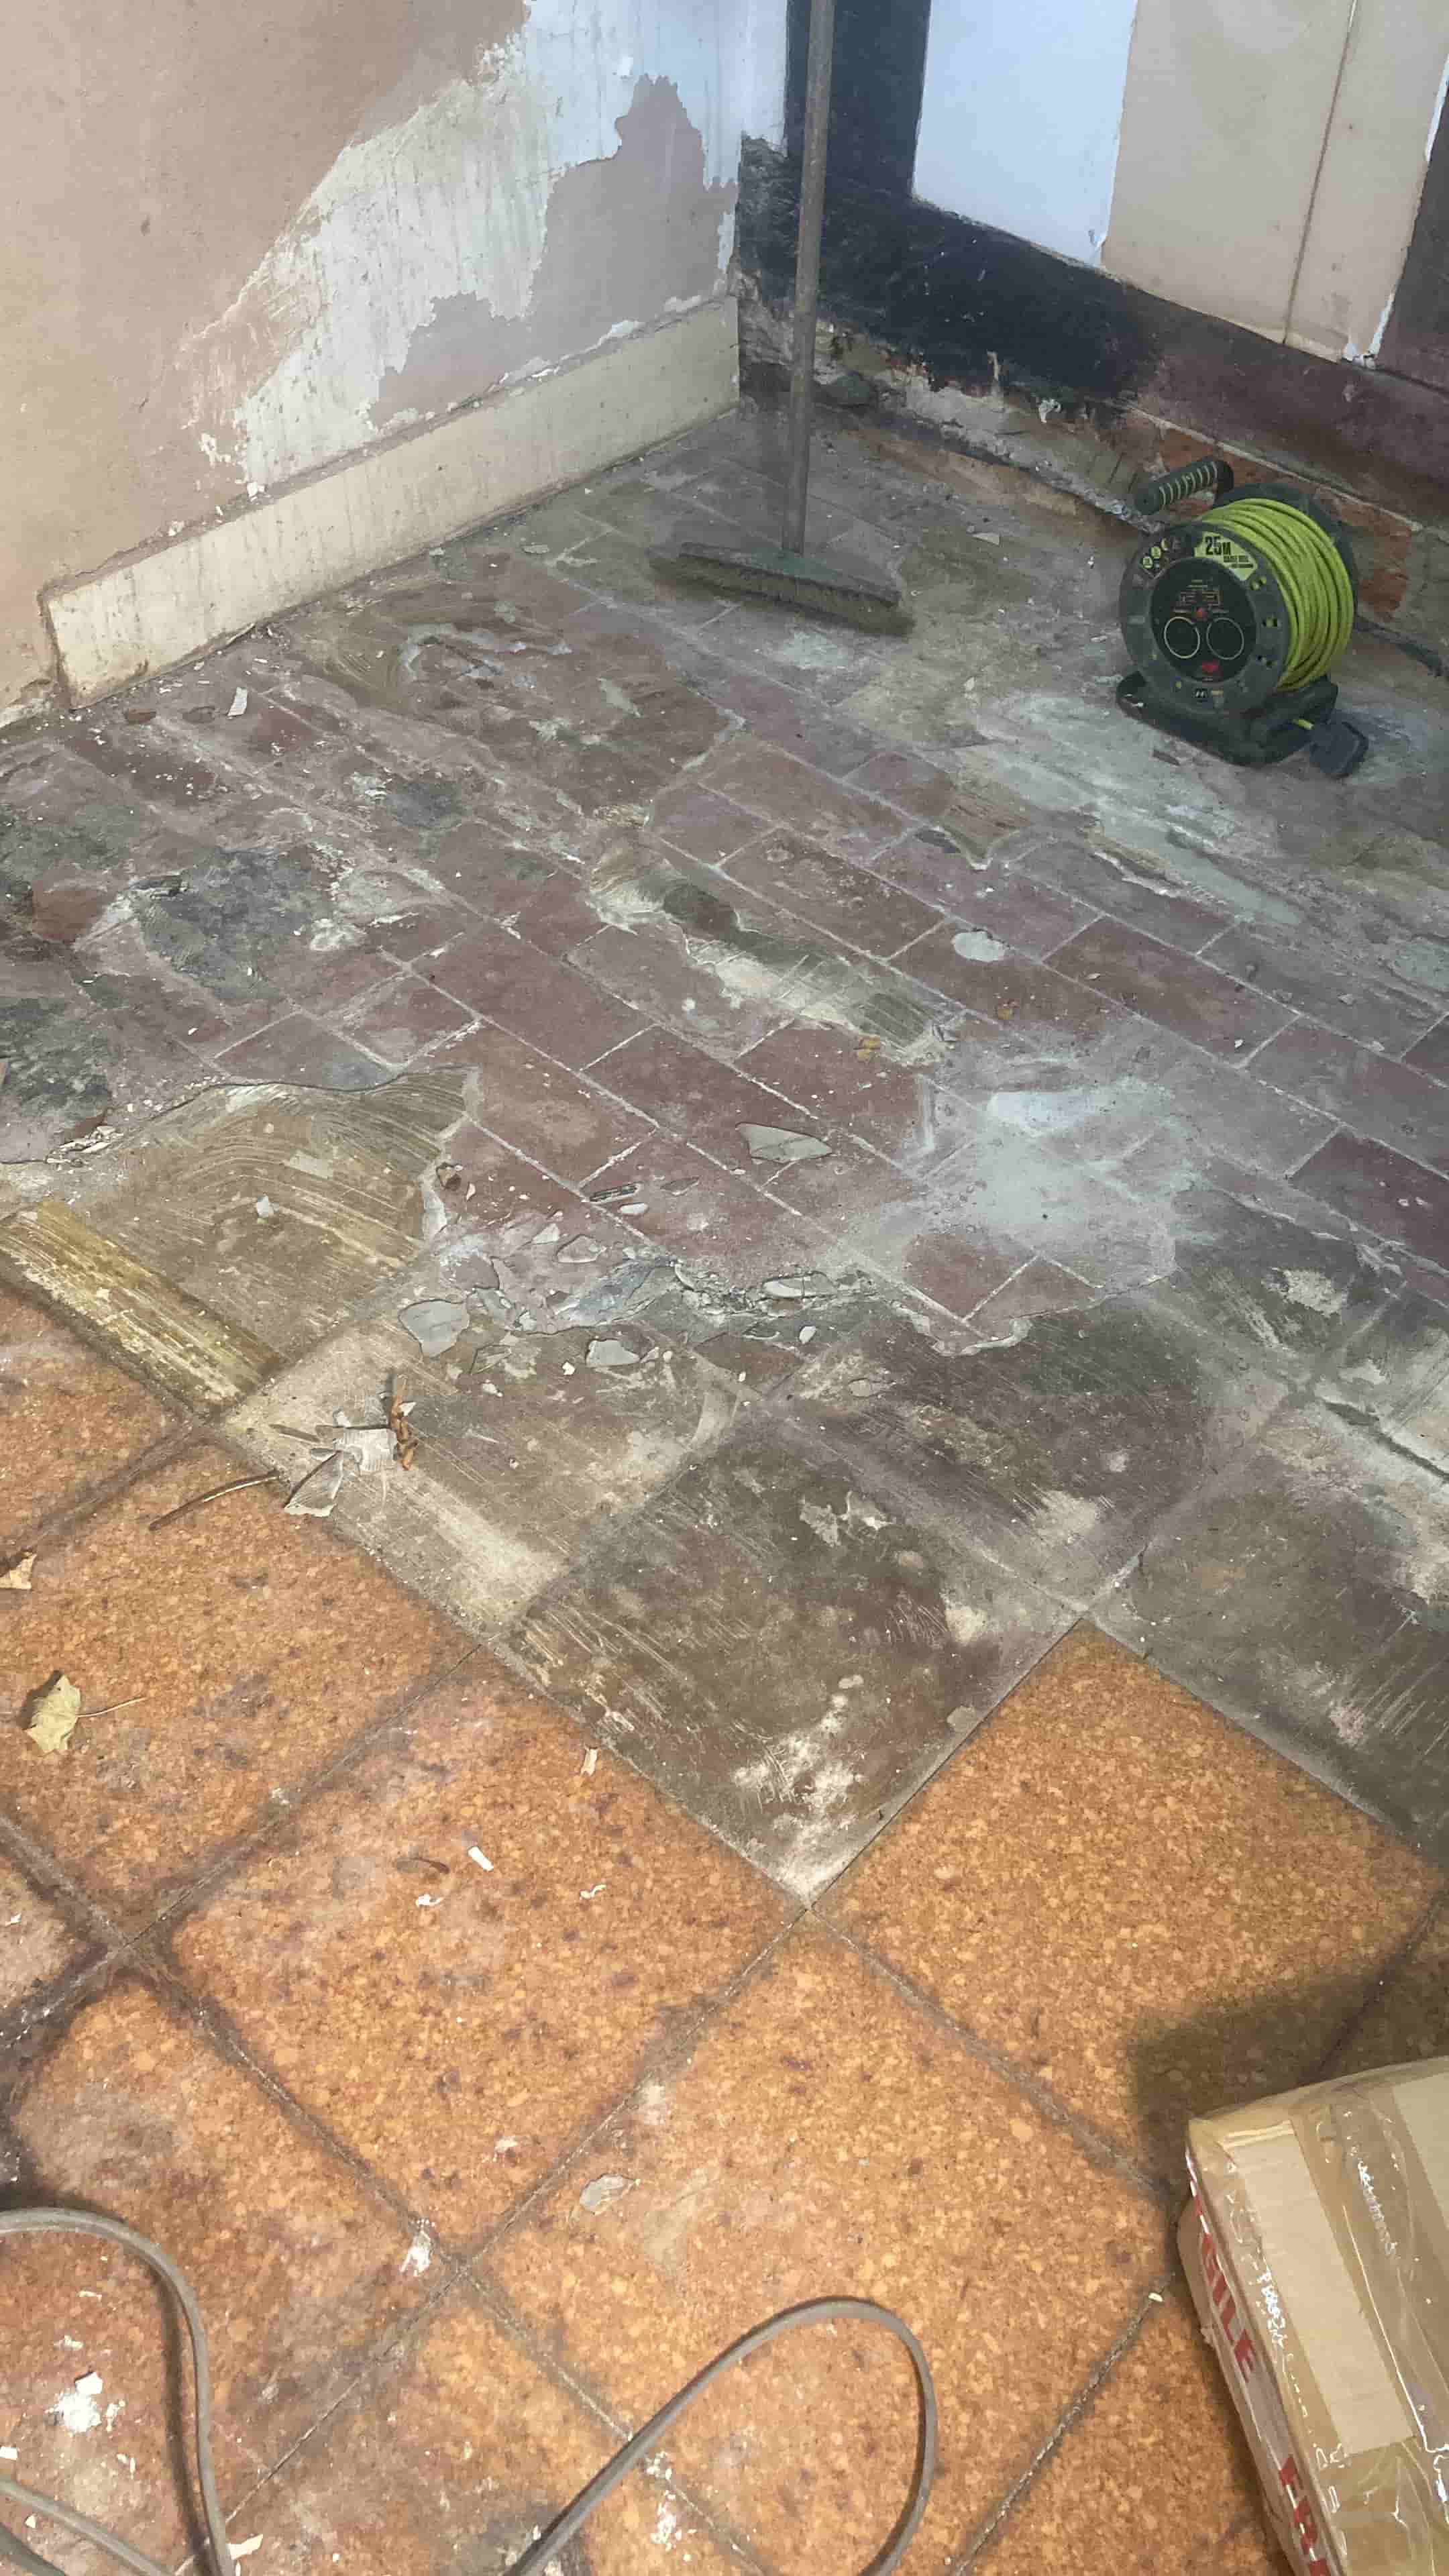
(1235, 620)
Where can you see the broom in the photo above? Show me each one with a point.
(785, 573)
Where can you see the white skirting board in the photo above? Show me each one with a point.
(154, 609)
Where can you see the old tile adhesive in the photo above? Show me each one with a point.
(546, 2545)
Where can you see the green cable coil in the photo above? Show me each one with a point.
(1311, 574)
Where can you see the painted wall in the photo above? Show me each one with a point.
(1260, 160)
(1020, 115)
(241, 243)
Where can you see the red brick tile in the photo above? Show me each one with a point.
(959, 1269)
(853, 904)
(1042, 1288)
(1364, 1092)
(1324, 987)
(301, 1049)
(696, 1096)
(399, 1022)
(504, 1186)
(533, 996)
(1017, 992)
(564, 1124)
(905, 780)
(769, 782)
(1165, 985)
(559, 917)
(824, 1073)
(1400, 1201)
(712, 1220)
(776, 715)
(423, 932)
(839, 1191)
(705, 826)
(1431, 1055)
(1031, 918)
(1122, 883)
(651, 963)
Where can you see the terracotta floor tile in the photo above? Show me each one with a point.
(823, 2131)
(1155, 2480)
(459, 2046)
(825, 1072)
(1120, 882)
(1033, 1000)
(1393, 1103)
(768, 782)
(783, 1651)
(301, 1049)
(1179, 992)
(1055, 1891)
(714, 1221)
(534, 996)
(651, 960)
(1040, 1289)
(1401, 1202)
(36, 1942)
(546, 1112)
(1326, 987)
(1431, 1055)
(703, 825)
(408, 1015)
(698, 1097)
(1005, 907)
(70, 1421)
(904, 780)
(458, 2447)
(852, 903)
(297, 2268)
(254, 1646)
(1409, 2017)
(777, 715)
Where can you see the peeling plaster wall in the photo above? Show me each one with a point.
(240, 243)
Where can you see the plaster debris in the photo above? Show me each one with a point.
(597, 2195)
(435, 1324)
(782, 1145)
(587, 1894)
(265, 1207)
(247, 2548)
(75, 2409)
(590, 1762)
(366, 1446)
(425, 1904)
(417, 2260)
(980, 945)
(480, 1858)
(15, 1577)
(51, 1714)
(607, 1354)
(238, 705)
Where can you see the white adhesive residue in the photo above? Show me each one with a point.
(1310, 1288)
(75, 2409)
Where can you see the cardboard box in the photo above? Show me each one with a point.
(1317, 2250)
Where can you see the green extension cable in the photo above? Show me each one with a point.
(114, 2231)
(1311, 572)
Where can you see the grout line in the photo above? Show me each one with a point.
(1099, 2150)
(1388, 1976)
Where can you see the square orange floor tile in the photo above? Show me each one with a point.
(461, 2027)
(825, 2135)
(1155, 2480)
(299, 2271)
(71, 1420)
(1409, 2018)
(454, 2453)
(252, 1647)
(36, 1943)
(1134, 1900)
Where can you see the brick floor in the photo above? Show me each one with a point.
(920, 1266)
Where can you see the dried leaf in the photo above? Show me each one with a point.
(51, 1713)
(15, 1577)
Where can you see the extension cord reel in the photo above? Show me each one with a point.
(1235, 619)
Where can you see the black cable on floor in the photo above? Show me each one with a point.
(813, 2312)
